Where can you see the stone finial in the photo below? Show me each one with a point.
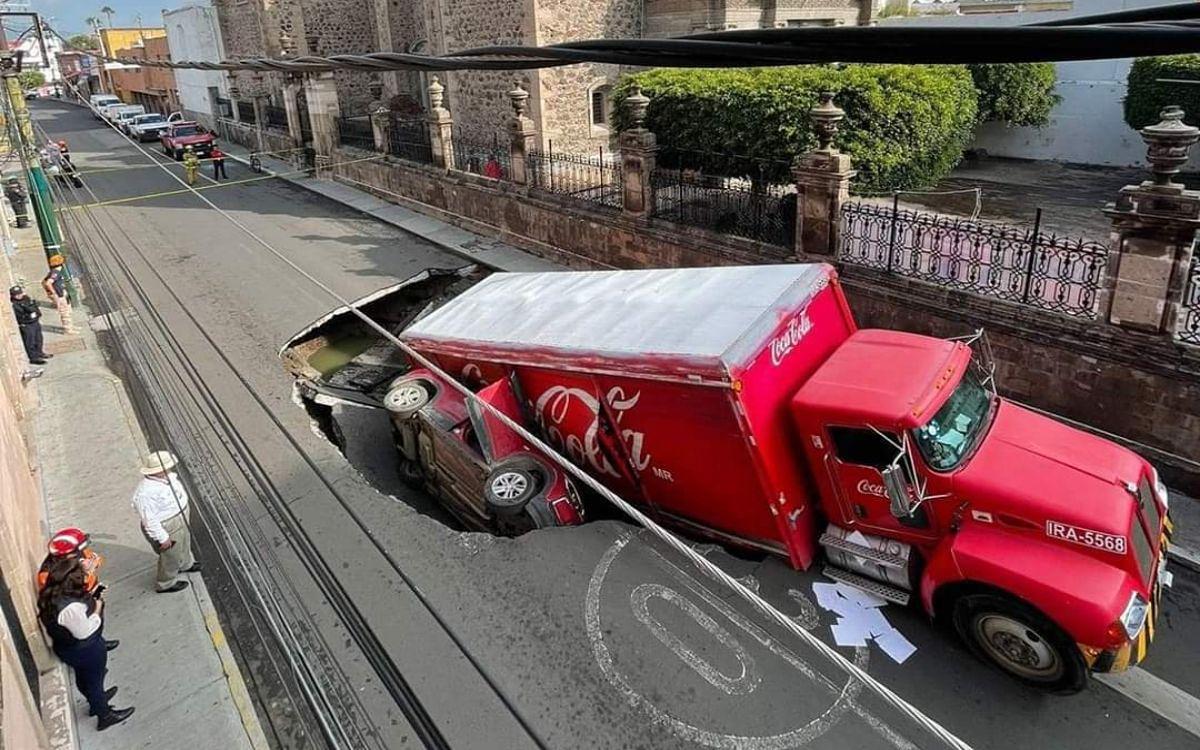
(376, 89)
(235, 92)
(437, 94)
(638, 104)
(1167, 146)
(826, 116)
(520, 100)
(287, 44)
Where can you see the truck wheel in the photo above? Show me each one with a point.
(511, 485)
(407, 398)
(1020, 640)
(411, 474)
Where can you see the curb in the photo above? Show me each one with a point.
(58, 714)
(233, 675)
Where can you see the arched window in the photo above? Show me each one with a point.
(600, 105)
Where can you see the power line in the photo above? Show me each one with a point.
(682, 548)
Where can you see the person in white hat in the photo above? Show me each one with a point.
(162, 503)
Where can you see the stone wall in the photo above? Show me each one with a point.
(1135, 385)
(675, 17)
(273, 141)
(566, 92)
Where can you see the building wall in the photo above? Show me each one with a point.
(193, 34)
(676, 17)
(565, 93)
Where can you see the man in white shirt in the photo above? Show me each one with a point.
(162, 504)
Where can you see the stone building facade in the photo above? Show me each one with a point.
(570, 106)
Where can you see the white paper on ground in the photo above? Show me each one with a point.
(895, 645)
(860, 597)
(850, 632)
(827, 596)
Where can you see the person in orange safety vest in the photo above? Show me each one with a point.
(70, 542)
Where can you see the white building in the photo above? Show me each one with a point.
(193, 34)
(33, 60)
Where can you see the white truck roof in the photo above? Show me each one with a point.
(722, 314)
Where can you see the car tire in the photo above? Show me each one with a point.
(404, 399)
(511, 485)
(1020, 641)
(411, 473)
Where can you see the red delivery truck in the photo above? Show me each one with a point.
(743, 404)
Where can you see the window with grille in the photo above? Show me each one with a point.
(600, 105)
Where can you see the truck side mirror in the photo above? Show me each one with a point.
(896, 487)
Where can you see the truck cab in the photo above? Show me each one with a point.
(1041, 543)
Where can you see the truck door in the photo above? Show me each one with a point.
(857, 457)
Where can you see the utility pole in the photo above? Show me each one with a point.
(39, 188)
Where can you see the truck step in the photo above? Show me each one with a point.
(882, 590)
(867, 553)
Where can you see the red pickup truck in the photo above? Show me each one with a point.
(183, 134)
(744, 405)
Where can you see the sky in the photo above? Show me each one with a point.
(68, 15)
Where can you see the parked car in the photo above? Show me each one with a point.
(123, 116)
(147, 127)
(186, 133)
(31, 94)
(109, 111)
(101, 102)
(743, 404)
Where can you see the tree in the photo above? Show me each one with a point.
(31, 79)
(1016, 93)
(1154, 83)
(109, 12)
(84, 41)
(906, 125)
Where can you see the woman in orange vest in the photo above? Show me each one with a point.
(72, 542)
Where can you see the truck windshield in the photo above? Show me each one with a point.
(186, 130)
(949, 437)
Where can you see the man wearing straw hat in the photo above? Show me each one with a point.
(162, 503)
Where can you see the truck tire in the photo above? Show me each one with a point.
(407, 398)
(511, 485)
(1021, 641)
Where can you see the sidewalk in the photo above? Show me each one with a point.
(173, 664)
(471, 246)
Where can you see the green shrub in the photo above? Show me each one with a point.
(1146, 97)
(905, 127)
(1016, 93)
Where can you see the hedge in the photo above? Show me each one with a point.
(1016, 93)
(1146, 97)
(906, 125)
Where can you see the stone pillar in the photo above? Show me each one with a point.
(822, 185)
(381, 118)
(323, 112)
(260, 119)
(639, 149)
(1154, 230)
(235, 93)
(292, 107)
(523, 135)
(441, 127)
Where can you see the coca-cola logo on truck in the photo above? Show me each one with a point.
(865, 487)
(784, 343)
(553, 408)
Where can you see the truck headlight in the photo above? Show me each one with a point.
(1134, 617)
(1160, 489)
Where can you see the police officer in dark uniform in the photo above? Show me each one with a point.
(29, 321)
(16, 196)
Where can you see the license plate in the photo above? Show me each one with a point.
(1086, 537)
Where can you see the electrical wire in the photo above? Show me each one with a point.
(682, 548)
(1163, 30)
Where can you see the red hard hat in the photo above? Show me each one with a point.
(67, 541)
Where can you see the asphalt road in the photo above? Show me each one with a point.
(597, 637)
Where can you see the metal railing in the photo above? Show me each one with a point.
(1018, 264)
(1188, 329)
(246, 112)
(408, 139)
(483, 156)
(594, 179)
(276, 117)
(356, 132)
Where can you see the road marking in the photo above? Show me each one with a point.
(844, 697)
(1160, 696)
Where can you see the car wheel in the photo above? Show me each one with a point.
(511, 485)
(1021, 641)
(407, 398)
(411, 473)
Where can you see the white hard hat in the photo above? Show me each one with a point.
(159, 462)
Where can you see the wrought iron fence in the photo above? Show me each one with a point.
(356, 132)
(246, 112)
(1188, 330)
(483, 156)
(408, 139)
(1013, 263)
(277, 117)
(595, 179)
(729, 193)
